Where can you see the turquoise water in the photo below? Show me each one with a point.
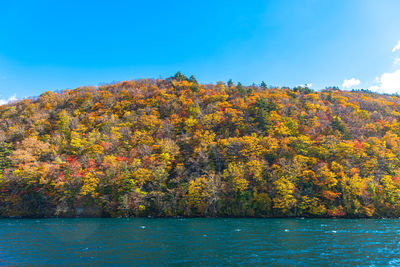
(278, 242)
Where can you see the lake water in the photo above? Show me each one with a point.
(142, 241)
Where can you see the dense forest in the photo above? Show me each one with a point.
(174, 147)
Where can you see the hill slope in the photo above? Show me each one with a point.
(177, 148)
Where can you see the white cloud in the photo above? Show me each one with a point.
(389, 82)
(396, 47)
(309, 85)
(6, 101)
(347, 84)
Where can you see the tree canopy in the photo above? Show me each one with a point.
(174, 147)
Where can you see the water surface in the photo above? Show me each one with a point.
(143, 241)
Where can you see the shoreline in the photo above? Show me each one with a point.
(192, 217)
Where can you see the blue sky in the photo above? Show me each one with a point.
(52, 45)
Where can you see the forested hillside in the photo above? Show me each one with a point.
(174, 147)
